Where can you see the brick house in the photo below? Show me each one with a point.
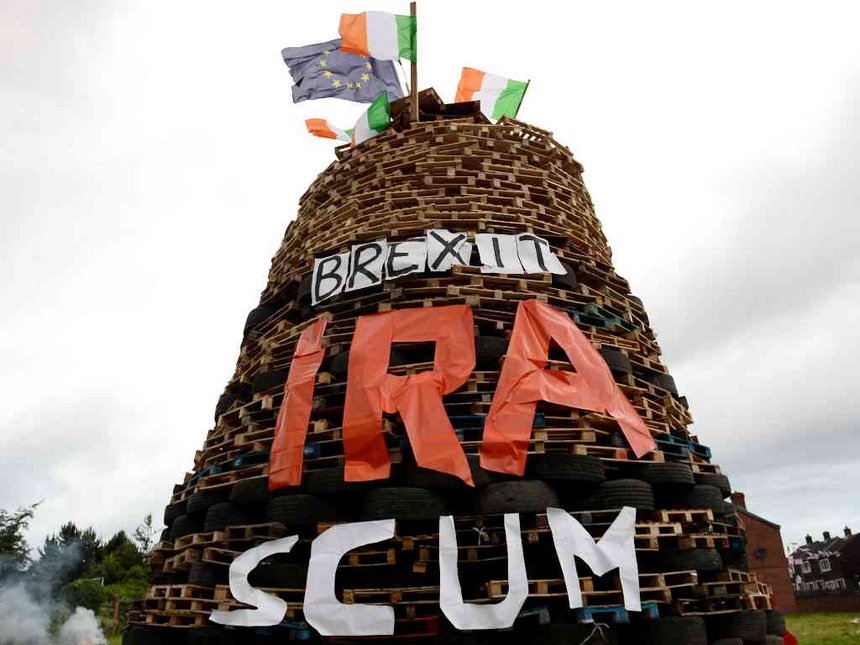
(766, 554)
(830, 565)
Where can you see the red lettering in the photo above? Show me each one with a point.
(285, 461)
(524, 381)
(370, 390)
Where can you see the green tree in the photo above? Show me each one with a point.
(144, 535)
(67, 555)
(86, 592)
(14, 552)
(121, 559)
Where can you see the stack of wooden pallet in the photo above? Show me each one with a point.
(455, 170)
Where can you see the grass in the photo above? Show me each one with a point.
(810, 629)
(824, 629)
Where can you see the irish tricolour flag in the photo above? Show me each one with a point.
(371, 123)
(377, 34)
(324, 129)
(499, 96)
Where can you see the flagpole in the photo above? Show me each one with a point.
(413, 11)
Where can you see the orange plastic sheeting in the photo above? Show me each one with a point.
(524, 381)
(370, 390)
(285, 461)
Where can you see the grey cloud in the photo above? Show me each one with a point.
(792, 241)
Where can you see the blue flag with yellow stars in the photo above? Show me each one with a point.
(323, 70)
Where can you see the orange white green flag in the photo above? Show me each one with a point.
(380, 35)
(375, 119)
(499, 96)
(324, 129)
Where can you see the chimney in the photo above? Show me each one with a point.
(809, 539)
(826, 536)
(739, 499)
(847, 532)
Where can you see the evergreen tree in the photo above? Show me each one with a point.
(14, 552)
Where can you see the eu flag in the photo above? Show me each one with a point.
(324, 70)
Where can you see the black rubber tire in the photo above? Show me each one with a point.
(215, 636)
(624, 492)
(339, 364)
(483, 477)
(251, 492)
(414, 475)
(700, 496)
(566, 280)
(773, 639)
(198, 503)
(330, 481)
(564, 467)
(145, 635)
(520, 496)
(489, 351)
(715, 479)
(257, 316)
(279, 576)
(172, 511)
(304, 292)
(559, 634)
(736, 560)
(664, 381)
(207, 574)
(417, 477)
(240, 389)
(746, 625)
(674, 473)
(775, 622)
(224, 514)
(702, 560)
(268, 380)
(617, 360)
(185, 525)
(672, 630)
(402, 503)
(300, 510)
(225, 402)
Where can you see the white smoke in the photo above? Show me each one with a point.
(25, 621)
(22, 620)
(82, 628)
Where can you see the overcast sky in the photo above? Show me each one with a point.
(152, 159)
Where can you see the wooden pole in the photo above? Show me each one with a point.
(413, 68)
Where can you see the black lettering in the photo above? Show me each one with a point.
(448, 248)
(321, 275)
(391, 272)
(358, 265)
(497, 251)
(538, 249)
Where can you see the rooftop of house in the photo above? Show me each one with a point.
(828, 545)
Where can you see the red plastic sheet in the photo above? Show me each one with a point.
(417, 397)
(524, 381)
(285, 461)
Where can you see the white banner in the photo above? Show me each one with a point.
(330, 617)
(323, 611)
(498, 253)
